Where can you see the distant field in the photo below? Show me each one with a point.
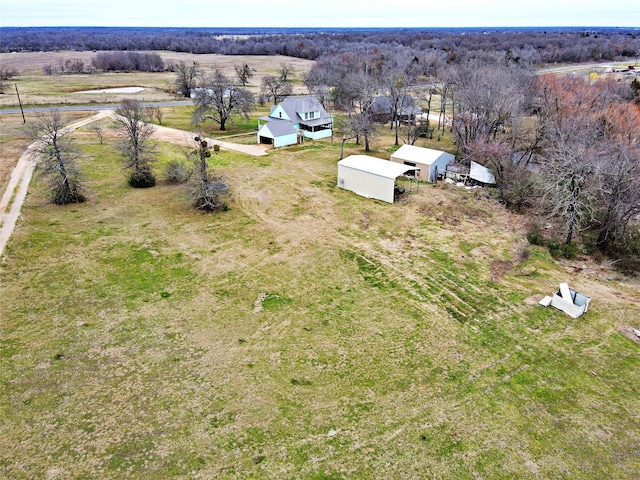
(36, 88)
(304, 333)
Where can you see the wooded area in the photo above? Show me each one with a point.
(562, 148)
(523, 45)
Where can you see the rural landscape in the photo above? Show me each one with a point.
(182, 297)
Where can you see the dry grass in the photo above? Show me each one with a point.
(132, 345)
(36, 88)
(15, 138)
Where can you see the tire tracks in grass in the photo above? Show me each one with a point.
(18, 186)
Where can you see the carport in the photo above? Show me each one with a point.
(370, 177)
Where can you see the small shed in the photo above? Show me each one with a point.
(278, 133)
(431, 163)
(370, 177)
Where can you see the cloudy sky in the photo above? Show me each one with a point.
(329, 13)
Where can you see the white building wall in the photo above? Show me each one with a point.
(428, 171)
(366, 184)
(285, 140)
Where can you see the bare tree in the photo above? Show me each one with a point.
(218, 100)
(397, 80)
(345, 127)
(135, 144)
(6, 73)
(321, 91)
(363, 123)
(186, 77)
(618, 193)
(515, 183)
(489, 96)
(286, 72)
(155, 112)
(568, 170)
(98, 129)
(419, 130)
(244, 73)
(208, 191)
(57, 159)
(276, 88)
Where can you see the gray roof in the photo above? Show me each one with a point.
(382, 105)
(317, 122)
(278, 128)
(293, 105)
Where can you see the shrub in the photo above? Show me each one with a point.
(629, 264)
(142, 179)
(534, 236)
(177, 172)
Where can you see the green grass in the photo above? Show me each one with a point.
(131, 347)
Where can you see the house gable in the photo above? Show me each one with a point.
(302, 109)
(280, 113)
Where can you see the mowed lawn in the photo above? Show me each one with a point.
(304, 333)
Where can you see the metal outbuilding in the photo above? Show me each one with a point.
(370, 177)
(430, 162)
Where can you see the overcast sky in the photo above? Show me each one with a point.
(328, 13)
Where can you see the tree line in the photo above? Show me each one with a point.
(530, 45)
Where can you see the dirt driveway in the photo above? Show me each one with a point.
(16, 191)
(182, 137)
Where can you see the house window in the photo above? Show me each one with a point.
(280, 114)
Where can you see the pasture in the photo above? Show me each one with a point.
(36, 88)
(304, 333)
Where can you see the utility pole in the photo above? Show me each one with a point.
(20, 102)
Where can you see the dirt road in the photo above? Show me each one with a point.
(182, 137)
(16, 191)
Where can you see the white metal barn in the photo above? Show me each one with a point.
(430, 162)
(370, 177)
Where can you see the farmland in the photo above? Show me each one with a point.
(304, 333)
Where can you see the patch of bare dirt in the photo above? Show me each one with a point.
(632, 333)
(499, 268)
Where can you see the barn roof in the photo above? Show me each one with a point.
(375, 166)
(422, 155)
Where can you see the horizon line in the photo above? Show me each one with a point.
(331, 28)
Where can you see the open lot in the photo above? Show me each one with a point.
(304, 333)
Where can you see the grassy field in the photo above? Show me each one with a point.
(36, 88)
(304, 333)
